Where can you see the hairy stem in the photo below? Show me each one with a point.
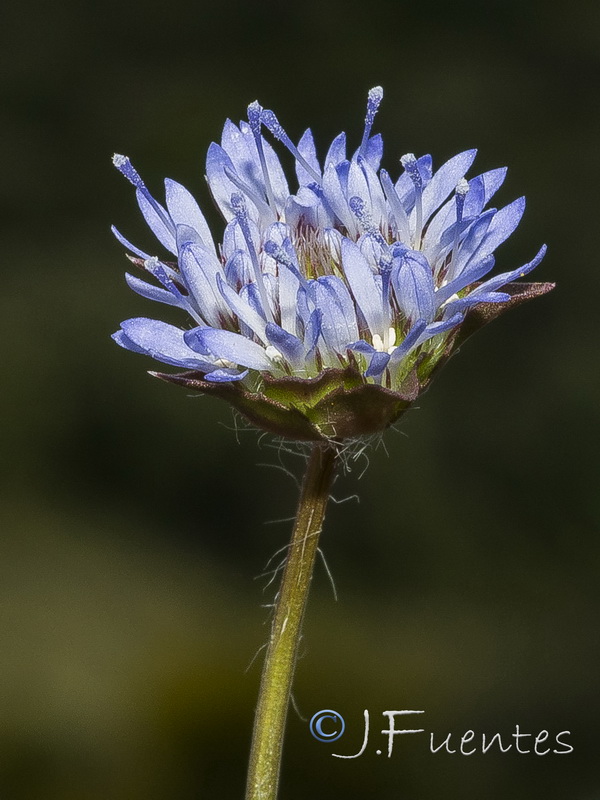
(286, 628)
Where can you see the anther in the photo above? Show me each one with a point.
(254, 114)
(409, 162)
(358, 208)
(155, 268)
(126, 168)
(378, 342)
(270, 121)
(373, 102)
(462, 187)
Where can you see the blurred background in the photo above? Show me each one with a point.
(135, 522)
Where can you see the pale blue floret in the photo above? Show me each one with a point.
(351, 268)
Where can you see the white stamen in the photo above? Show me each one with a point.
(378, 343)
(391, 340)
(274, 354)
(387, 344)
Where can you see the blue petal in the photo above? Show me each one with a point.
(440, 327)
(337, 151)
(184, 210)
(374, 151)
(336, 198)
(397, 208)
(444, 181)
(229, 346)
(245, 159)
(251, 295)
(364, 287)
(151, 292)
(357, 184)
(477, 199)
(474, 299)
(158, 220)
(200, 275)
(338, 322)
(248, 164)
(481, 189)
(243, 310)
(163, 342)
(508, 277)
(122, 340)
(288, 300)
(379, 362)
(472, 272)
(221, 186)
(224, 375)
(291, 348)
(362, 347)
(238, 269)
(126, 243)
(409, 341)
(470, 245)
(276, 175)
(312, 330)
(379, 208)
(412, 280)
(234, 239)
(307, 149)
(502, 225)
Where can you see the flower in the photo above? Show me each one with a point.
(324, 312)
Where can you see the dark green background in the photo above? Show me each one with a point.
(134, 522)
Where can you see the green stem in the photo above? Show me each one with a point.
(286, 628)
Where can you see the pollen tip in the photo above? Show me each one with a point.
(269, 119)
(126, 168)
(462, 187)
(254, 115)
(376, 94)
(409, 160)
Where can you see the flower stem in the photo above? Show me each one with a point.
(280, 661)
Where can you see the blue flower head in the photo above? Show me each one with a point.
(325, 310)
